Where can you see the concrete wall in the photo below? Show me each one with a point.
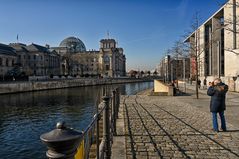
(160, 87)
(231, 53)
(44, 85)
(231, 44)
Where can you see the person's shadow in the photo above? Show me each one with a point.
(228, 131)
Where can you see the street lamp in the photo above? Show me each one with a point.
(234, 79)
(184, 73)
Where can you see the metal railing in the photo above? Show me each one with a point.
(67, 143)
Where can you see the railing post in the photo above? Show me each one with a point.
(61, 142)
(97, 135)
(113, 116)
(117, 102)
(106, 127)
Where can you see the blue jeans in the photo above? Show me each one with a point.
(215, 123)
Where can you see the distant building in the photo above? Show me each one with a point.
(70, 58)
(112, 61)
(172, 68)
(108, 61)
(164, 68)
(216, 44)
(42, 61)
(8, 58)
(37, 60)
(22, 58)
(180, 67)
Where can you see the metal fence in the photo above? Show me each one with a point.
(67, 143)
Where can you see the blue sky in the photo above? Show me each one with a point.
(144, 28)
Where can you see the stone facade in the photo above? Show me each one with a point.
(171, 68)
(70, 58)
(8, 58)
(36, 60)
(217, 44)
(108, 61)
(22, 58)
(86, 63)
(111, 59)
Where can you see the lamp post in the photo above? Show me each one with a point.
(234, 79)
(184, 74)
(172, 76)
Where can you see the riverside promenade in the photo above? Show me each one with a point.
(152, 127)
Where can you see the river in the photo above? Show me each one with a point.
(25, 116)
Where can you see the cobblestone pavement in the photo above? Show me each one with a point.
(165, 127)
(232, 103)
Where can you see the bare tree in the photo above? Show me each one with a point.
(68, 62)
(194, 47)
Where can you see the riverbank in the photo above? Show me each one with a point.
(17, 87)
(145, 92)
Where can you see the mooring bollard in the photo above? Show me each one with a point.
(61, 142)
(106, 127)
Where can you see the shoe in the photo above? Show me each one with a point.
(215, 130)
(224, 130)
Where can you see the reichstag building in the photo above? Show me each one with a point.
(108, 61)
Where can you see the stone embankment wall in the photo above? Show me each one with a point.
(16, 87)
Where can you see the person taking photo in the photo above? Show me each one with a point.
(217, 90)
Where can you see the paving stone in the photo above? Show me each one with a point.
(168, 127)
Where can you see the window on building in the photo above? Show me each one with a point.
(0, 61)
(106, 59)
(13, 62)
(107, 67)
(6, 62)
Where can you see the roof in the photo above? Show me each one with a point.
(19, 47)
(73, 43)
(34, 47)
(107, 40)
(7, 50)
(223, 6)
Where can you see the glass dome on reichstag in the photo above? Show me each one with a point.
(73, 43)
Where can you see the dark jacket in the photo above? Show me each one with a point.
(218, 96)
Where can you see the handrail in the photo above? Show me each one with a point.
(81, 139)
(95, 118)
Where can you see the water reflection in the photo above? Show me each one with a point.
(23, 117)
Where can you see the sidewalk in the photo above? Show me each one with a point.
(152, 127)
(232, 103)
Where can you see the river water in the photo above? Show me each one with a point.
(25, 116)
